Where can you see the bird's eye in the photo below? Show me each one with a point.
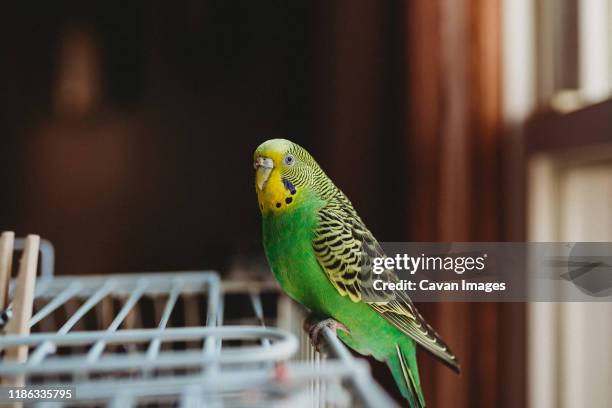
(289, 160)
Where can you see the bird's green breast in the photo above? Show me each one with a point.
(288, 245)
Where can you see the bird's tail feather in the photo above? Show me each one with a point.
(406, 376)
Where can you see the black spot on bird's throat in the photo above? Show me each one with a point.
(278, 205)
(288, 200)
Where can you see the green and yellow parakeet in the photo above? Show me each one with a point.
(321, 252)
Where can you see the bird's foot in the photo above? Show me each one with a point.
(281, 372)
(315, 328)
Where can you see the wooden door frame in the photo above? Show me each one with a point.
(456, 145)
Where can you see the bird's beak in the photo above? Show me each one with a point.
(263, 168)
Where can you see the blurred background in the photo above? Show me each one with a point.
(128, 130)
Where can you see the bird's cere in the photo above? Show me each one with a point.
(264, 162)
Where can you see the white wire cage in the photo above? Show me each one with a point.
(179, 339)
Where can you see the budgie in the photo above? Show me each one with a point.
(321, 252)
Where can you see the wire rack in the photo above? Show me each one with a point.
(181, 339)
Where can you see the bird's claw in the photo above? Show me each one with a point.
(315, 329)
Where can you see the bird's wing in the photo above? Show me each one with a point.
(345, 249)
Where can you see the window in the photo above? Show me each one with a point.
(573, 53)
(558, 109)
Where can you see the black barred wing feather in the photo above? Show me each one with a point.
(403, 315)
(345, 250)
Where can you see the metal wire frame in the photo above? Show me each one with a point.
(280, 345)
(213, 374)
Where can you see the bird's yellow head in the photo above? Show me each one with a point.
(282, 171)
